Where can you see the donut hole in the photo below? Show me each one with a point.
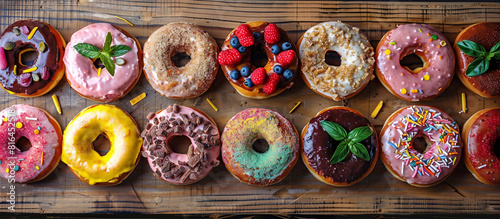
(412, 62)
(179, 144)
(98, 63)
(333, 58)
(101, 144)
(331, 147)
(180, 59)
(496, 148)
(259, 57)
(26, 56)
(260, 146)
(494, 65)
(421, 144)
(23, 144)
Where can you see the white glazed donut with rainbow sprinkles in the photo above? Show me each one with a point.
(402, 152)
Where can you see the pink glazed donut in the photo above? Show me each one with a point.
(174, 167)
(422, 83)
(43, 132)
(83, 75)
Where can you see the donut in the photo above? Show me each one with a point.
(421, 145)
(125, 145)
(45, 136)
(35, 77)
(319, 148)
(422, 83)
(239, 60)
(259, 167)
(486, 34)
(481, 135)
(99, 85)
(203, 152)
(190, 80)
(357, 60)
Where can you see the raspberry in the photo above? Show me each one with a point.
(229, 57)
(25, 79)
(272, 34)
(271, 84)
(45, 73)
(258, 76)
(244, 35)
(286, 58)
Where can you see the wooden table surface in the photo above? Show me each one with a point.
(219, 192)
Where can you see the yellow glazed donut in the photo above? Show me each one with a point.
(125, 145)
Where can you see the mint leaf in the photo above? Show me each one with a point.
(495, 48)
(335, 131)
(119, 50)
(359, 150)
(496, 55)
(340, 153)
(107, 43)
(472, 48)
(477, 67)
(87, 50)
(108, 63)
(359, 134)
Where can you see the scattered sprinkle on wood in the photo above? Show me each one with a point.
(464, 104)
(137, 99)
(213, 105)
(295, 107)
(377, 109)
(123, 19)
(56, 103)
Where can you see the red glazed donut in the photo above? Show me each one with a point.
(422, 83)
(401, 153)
(237, 62)
(203, 153)
(482, 150)
(43, 74)
(43, 132)
(486, 34)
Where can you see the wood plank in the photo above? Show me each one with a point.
(300, 192)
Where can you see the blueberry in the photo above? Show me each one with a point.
(245, 71)
(248, 82)
(234, 74)
(256, 37)
(242, 49)
(275, 49)
(278, 69)
(235, 43)
(286, 46)
(288, 74)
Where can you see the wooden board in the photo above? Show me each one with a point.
(221, 193)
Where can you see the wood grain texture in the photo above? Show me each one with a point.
(220, 192)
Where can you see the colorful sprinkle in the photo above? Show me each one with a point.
(442, 43)
(213, 105)
(137, 99)
(123, 19)
(36, 131)
(0, 162)
(37, 168)
(377, 109)
(387, 52)
(16, 168)
(427, 77)
(389, 57)
(30, 70)
(464, 104)
(30, 118)
(295, 107)
(414, 91)
(419, 30)
(99, 72)
(32, 33)
(15, 70)
(56, 103)
(7, 170)
(39, 128)
(481, 167)
(392, 43)
(42, 47)
(6, 119)
(403, 90)
(19, 125)
(440, 57)
(434, 37)
(41, 159)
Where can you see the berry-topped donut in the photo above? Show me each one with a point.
(31, 54)
(118, 51)
(422, 83)
(421, 145)
(481, 135)
(471, 69)
(241, 50)
(357, 60)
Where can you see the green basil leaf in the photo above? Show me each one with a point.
(336, 131)
(108, 63)
(496, 55)
(360, 133)
(87, 50)
(477, 67)
(359, 150)
(471, 48)
(495, 48)
(107, 43)
(340, 153)
(119, 50)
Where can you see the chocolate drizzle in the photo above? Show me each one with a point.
(319, 147)
(49, 58)
(160, 129)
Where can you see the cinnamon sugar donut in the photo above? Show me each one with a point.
(190, 80)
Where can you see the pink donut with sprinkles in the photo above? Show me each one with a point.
(45, 136)
(421, 145)
(424, 82)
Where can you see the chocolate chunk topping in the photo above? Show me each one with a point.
(194, 115)
(162, 118)
(177, 129)
(204, 157)
(193, 161)
(156, 121)
(158, 173)
(168, 175)
(158, 141)
(144, 154)
(193, 176)
(166, 166)
(199, 120)
(150, 116)
(170, 109)
(176, 108)
(185, 119)
(164, 125)
(185, 176)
